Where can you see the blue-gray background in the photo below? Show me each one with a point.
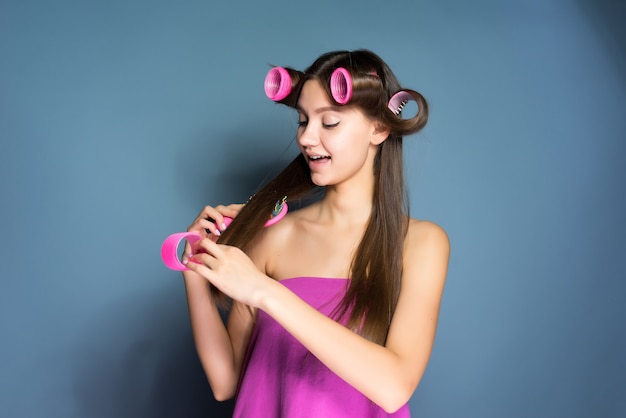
(119, 120)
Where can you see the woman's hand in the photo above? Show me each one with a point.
(209, 224)
(230, 270)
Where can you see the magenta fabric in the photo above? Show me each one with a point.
(282, 378)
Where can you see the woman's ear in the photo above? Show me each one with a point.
(380, 133)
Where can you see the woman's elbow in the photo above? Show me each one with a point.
(396, 398)
(222, 394)
(391, 407)
(223, 389)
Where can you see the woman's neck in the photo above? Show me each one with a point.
(346, 205)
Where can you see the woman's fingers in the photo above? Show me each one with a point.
(232, 210)
(210, 247)
(212, 219)
(206, 221)
(230, 270)
(205, 261)
(206, 251)
(211, 214)
(209, 226)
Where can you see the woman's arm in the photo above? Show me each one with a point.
(386, 375)
(221, 348)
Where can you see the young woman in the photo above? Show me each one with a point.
(334, 308)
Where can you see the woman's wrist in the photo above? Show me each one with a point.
(196, 284)
(268, 295)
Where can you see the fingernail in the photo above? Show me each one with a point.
(217, 232)
(223, 226)
(185, 261)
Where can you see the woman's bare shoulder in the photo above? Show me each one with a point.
(421, 230)
(426, 244)
(269, 241)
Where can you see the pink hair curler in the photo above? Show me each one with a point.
(169, 249)
(279, 212)
(341, 85)
(399, 100)
(277, 84)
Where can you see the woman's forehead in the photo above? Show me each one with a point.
(313, 96)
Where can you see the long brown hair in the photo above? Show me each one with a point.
(376, 269)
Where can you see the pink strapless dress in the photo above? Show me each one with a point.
(282, 379)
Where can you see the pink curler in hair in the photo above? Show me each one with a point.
(169, 249)
(341, 85)
(398, 101)
(277, 84)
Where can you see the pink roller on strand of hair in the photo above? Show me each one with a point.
(341, 85)
(399, 100)
(169, 249)
(277, 84)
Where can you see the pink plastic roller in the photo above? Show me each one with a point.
(341, 85)
(398, 101)
(277, 84)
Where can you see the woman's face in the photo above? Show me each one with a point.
(339, 143)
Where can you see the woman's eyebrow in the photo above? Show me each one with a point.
(320, 109)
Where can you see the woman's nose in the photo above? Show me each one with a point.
(308, 136)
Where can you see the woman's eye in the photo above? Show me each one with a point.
(302, 123)
(330, 125)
